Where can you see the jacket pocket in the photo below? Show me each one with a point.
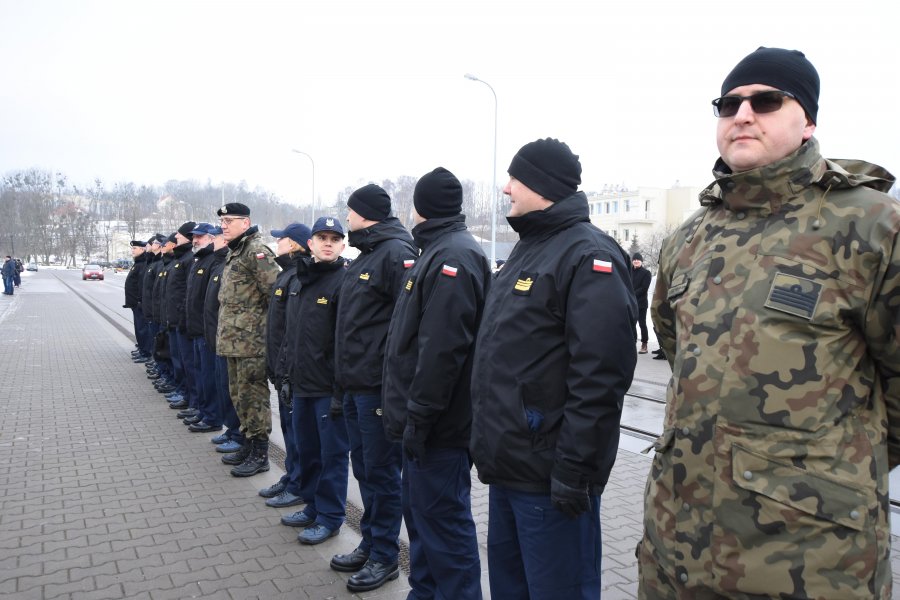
(800, 489)
(542, 413)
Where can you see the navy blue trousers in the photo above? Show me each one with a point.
(318, 433)
(177, 365)
(437, 507)
(376, 465)
(229, 415)
(210, 407)
(190, 368)
(538, 553)
(141, 329)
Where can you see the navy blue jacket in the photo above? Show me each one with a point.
(428, 358)
(555, 355)
(368, 294)
(307, 354)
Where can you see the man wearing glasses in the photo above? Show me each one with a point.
(777, 307)
(250, 270)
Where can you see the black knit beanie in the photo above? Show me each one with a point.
(371, 202)
(438, 194)
(787, 70)
(187, 229)
(547, 167)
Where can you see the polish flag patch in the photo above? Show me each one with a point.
(260, 255)
(602, 266)
(449, 271)
(407, 264)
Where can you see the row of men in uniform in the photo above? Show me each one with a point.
(377, 359)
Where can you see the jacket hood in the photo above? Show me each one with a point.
(559, 215)
(366, 239)
(431, 229)
(771, 185)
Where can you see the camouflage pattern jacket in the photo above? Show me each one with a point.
(778, 305)
(250, 270)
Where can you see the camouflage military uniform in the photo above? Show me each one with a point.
(250, 271)
(777, 305)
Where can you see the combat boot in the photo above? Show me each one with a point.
(256, 462)
(236, 458)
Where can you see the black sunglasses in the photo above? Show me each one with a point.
(762, 102)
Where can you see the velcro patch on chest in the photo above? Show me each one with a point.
(794, 295)
(523, 284)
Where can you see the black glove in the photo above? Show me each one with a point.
(571, 501)
(336, 408)
(284, 393)
(413, 444)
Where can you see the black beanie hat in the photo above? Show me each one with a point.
(787, 70)
(187, 229)
(371, 202)
(547, 167)
(637, 256)
(438, 194)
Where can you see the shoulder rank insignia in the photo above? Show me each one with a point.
(408, 286)
(322, 300)
(524, 285)
(364, 276)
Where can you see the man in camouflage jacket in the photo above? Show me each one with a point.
(250, 270)
(777, 307)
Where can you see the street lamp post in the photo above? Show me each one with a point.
(494, 174)
(312, 208)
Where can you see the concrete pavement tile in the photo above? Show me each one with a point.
(113, 592)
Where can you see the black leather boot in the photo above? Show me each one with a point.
(236, 458)
(256, 462)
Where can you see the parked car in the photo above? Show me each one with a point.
(91, 272)
(32, 266)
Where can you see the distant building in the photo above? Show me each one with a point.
(625, 214)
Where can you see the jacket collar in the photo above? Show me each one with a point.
(366, 239)
(559, 215)
(238, 242)
(431, 229)
(768, 187)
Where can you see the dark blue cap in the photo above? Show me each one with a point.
(298, 232)
(327, 224)
(203, 229)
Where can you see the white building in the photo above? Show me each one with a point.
(625, 214)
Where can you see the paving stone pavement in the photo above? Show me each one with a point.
(103, 494)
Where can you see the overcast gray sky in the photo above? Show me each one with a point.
(147, 91)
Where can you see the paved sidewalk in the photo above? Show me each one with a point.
(104, 494)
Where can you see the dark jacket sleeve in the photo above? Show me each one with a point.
(447, 330)
(600, 315)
